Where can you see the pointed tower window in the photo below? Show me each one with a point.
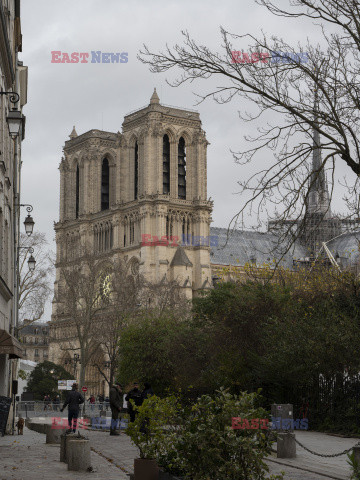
(166, 165)
(136, 172)
(105, 184)
(77, 192)
(182, 169)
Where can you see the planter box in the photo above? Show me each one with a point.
(145, 469)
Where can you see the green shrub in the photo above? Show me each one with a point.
(198, 441)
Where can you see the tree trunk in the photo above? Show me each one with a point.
(82, 374)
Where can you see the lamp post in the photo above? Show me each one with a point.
(73, 362)
(31, 262)
(15, 117)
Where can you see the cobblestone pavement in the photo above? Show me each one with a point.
(294, 473)
(27, 457)
(335, 467)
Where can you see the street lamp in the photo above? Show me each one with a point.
(14, 118)
(31, 261)
(29, 221)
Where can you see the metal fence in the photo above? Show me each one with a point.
(49, 409)
(329, 403)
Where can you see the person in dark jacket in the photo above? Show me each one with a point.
(135, 395)
(115, 405)
(147, 392)
(74, 400)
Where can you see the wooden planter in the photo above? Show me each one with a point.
(145, 469)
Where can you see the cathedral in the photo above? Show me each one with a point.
(141, 195)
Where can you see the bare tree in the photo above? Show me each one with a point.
(128, 297)
(293, 97)
(122, 293)
(80, 299)
(35, 286)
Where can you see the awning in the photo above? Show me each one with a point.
(9, 345)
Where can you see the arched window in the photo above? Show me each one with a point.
(77, 188)
(105, 184)
(182, 169)
(136, 172)
(166, 165)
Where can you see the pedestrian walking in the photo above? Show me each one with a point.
(56, 403)
(107, 403)
(47, 402)
(136, 395)
(92, 401)
(73, 401)
(101, 401)
(115, 405)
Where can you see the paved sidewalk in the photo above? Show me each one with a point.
(335, 467)
(28, 457)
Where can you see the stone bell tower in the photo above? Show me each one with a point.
(140, 195)
(164, 151)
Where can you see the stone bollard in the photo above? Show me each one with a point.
(63, 448)
(286, 446)
(356, 451)
(64, 439)
(53, 435)
(78, 455)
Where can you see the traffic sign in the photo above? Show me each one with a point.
(84, 389)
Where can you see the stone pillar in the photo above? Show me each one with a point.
(78, 455)
(63, 448)
(286, 446)
(53, 434)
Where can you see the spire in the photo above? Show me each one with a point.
(154, 98)
(318, 199)
(73, 134)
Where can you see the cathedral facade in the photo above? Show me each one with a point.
(139, 195)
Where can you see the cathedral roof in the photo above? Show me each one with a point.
(346, 246)
(180, 259)
(261, 248)
(251, 247)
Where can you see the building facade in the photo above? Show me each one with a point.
(13, 78)
(34, 338)
(124, 195)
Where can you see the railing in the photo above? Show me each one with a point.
(48, 409)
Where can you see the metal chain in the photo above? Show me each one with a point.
(327, 456)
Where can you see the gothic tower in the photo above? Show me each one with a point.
(140, 195)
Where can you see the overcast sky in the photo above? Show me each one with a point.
(98, 96)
